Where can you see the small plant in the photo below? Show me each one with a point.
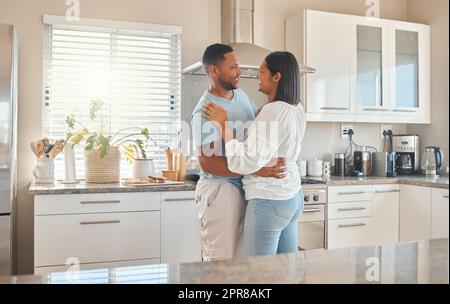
(133, 140)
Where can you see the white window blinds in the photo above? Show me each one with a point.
(137, 74)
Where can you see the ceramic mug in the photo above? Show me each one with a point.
(44, 171)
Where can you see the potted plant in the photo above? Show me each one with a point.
(102, 151)
(142, 166)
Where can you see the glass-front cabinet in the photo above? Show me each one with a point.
(410, 69)
(369, 66)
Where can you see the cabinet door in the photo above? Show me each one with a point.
(410, 69)
(415, 213)
(369, 66)
(328, 51)
(439, 214)
(180, 228)
(385, 215)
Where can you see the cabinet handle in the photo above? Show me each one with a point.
(387, 191)
(312, 210)
(351, 193)
(179, 199)
(404, 110)
(99, 202)
(334, 108)
(100, 222)
(352, 209)
(445, 196)
(352, 225)
(376, 110)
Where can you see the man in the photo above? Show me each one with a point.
(219, 193)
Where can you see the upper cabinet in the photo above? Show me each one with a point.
(367, 69)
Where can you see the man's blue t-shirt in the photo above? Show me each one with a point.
(240, 112)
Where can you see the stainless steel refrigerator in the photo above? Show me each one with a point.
(8, 138)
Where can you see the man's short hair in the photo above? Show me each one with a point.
(215, 53)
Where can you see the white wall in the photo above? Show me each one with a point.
(200, 20)
(435, 13)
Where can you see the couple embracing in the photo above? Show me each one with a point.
(249, 195)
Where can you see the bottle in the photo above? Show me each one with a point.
(70, 176)
(339, 164)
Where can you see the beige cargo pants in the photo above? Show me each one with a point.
(221, 210)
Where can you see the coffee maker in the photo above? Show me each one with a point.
(406, 148)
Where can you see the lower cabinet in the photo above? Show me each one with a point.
(180, 228)
(369, 217)
(415, 213)
(115, 230)
(439, 213)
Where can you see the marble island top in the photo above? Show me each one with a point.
(404, 263)
(84, 188)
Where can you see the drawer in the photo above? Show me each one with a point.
(349, 194)
(312, 213)
(178, 196)
(348, 233)
(350, 210)
(96, 238)
(96, 203)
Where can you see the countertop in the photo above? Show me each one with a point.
(84, 188)
(403, 263)
(413, 180)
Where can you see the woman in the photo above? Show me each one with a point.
(274, 205)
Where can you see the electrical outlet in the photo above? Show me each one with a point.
(344, 130)
(385, 128)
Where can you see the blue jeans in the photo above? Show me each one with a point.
(271, 226)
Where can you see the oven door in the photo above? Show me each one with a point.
(311, 228)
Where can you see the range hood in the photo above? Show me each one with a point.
(238, 32)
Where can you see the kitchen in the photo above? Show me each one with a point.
(36, 211)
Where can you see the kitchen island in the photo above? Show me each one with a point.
(423, 262)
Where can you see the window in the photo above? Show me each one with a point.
(135, 70)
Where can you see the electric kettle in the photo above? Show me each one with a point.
(432, 160)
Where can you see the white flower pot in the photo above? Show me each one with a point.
(142, 168)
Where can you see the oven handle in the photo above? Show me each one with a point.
(312, 210)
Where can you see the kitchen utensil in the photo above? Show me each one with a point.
(432, 160)
(363, 161)
(169, 159)
(170, 174)
(339, 164)
(57, 147)
(326, 169)
(406, 148)
(384, 164)
(315, 168)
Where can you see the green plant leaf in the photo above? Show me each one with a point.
(91, 142)
(103, 145)
(95, 106)
(141, 147)
(146, 133)
(79, 137)
(70, 121)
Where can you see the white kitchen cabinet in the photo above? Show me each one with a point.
(376, 71)
(180, 230)
(95, 238)
(439, 213)
(328, 51)
(362, 215)
(369, 67)
(385, 214)
(415, 213)
(410, 70)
